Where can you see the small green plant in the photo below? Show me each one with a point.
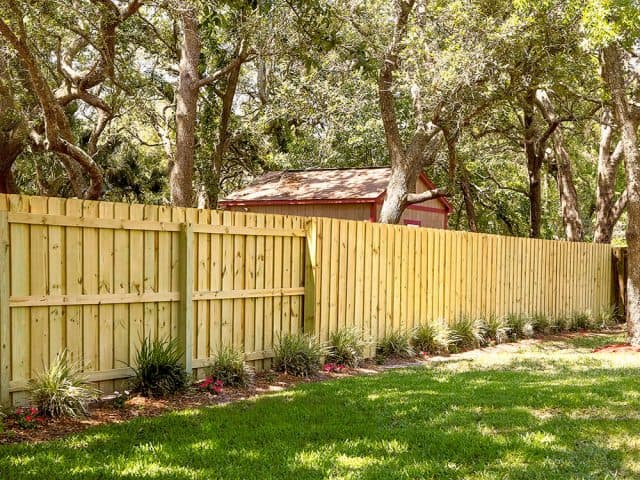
(297, 354)
(346, 347)
(496, 329)
(431, 338)
(61, 390)
(520, 326)
(607, 318)
(466, 333)
(580, 321)
(395, 343)
(158, 370)
(229, 367)
(560, 323)
(541, 323)
(120, 399)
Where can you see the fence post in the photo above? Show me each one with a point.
(5, 314)
(310, 270)
(185, 315)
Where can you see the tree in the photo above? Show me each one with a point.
(613, 73)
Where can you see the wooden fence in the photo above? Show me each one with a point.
(98, 277)
(381, 277)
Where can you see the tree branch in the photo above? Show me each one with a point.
(428, 195)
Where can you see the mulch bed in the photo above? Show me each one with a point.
(618, 348)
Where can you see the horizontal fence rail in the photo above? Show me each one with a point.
(96, 278)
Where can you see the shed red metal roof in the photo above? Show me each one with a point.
(325, 185)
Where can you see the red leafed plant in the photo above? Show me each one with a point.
(27, 417)
(333, 367)
(210, 385)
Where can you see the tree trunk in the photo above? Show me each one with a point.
(213, 189)
(534, 167)
(401, 183)
(567, 190)
(468, 199)
(181, 174)
(613, 74)
(564, 175)
(608, 209)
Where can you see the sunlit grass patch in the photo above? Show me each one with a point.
(535, 411)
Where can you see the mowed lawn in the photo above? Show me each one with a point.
(547, 411)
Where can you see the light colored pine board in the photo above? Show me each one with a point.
(227, 283)
(370, 282)
(286, 260)
(326, 272)
(56, 235)
(250, 284)
(297, 279)
(342, 294)
(164, 273)
(215, 281)
(268, 325)
(38, 218)
(177, 216)
(136, 283)
(105, 286)
(349, 292)
(121, 317)
(5, 313)
(20, 280)
(150, 284)
(241, 230)
(202, 245)
(360, 250)
(38, 265)
(186, 280)
(334, 257)
(74, 281)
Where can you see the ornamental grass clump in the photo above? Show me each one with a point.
(346, 347)
(431, 339)
(158, 370)
(541, 324)
(62, 390)
(298, 354)
(519, 326)
(495, 329)
(229, 367)
(607, 318)
(580, 321)
(466, 333)
(395, 343)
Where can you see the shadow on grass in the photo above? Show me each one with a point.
(417, 423)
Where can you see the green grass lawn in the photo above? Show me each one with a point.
(550, 411)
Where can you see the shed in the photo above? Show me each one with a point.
(348, 193)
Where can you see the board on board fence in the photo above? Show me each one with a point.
(96, 278)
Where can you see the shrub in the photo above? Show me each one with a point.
(541, 323)
(229, 367)
(298, 355)
(346, 347)
(62, 390)
(431, 338)
(466, 333)
(496, 329)
(607, 317)
(519, 326)
(395, 343)
(580, 321)
(158, 370)
(561, 323)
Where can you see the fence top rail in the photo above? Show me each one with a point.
(123, 224)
